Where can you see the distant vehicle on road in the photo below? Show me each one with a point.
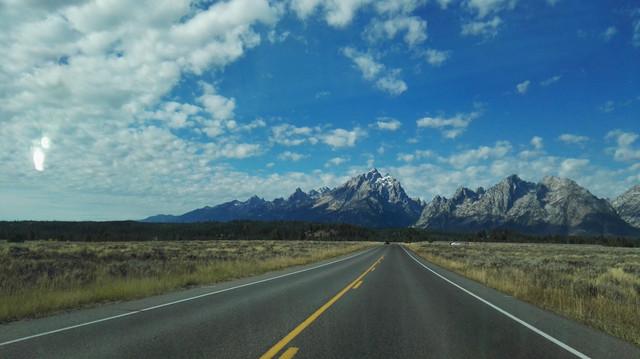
(386, 242)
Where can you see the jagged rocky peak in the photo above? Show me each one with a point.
(627, 205)
(298, 195)
(365, 178)
(462, 194)
(556, 183)
(255, 200)
(555, 205)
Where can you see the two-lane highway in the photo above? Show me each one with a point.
(381, 303)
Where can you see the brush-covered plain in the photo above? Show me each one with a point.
(596, 285)
(41, 277)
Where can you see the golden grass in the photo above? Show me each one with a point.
(598, 286)
(38, 278)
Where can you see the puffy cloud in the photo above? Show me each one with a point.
(608, 106)
(537, 142)
(220, 107)
(523, 87)
(465, 158)
(444, 177)
(391, 83)
(95, 77)
(550, 81)
(337, 13)
(290, 135)
(449, 127)
(339, 137)
(414, 27)
(416, 155)
(335, 161)
(436, 57)
(624, 150)
(485, 7)
(444, 3)
(384, 79)
(572, 139)
(367, 65)
(291, 156)
(488, 28)
(239, 150)
(398, 6)
(609, 33)
(388, 124)
(572, 166)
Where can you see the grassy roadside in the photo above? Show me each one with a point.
(41, 277)
(598, 286)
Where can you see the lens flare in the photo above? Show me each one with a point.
(38, 159)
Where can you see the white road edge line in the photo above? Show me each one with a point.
(179, 301)
(502, 311)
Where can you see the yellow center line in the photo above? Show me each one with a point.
(302, 326)
(357, 285)
(289, 353)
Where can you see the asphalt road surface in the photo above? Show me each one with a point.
(379, 303)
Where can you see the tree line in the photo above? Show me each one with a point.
(20, 231)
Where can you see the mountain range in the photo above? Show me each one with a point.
(552, 206)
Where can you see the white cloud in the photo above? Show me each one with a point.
(449, 127)
(388, 124)
(444, 3)
(175, 114)
(220, 107)
(416, 155)
(572, 139)
(489, 169)
(369, 68)
(550, 81)
(291, 156)
(482, 153)
(339, 137)
(337, 13)
(437, 57)
(609, 33)
(95, 78)
(608, 106)
(523, 87)
(537, 142)
(414, 27)
(335, 161)
(572, 167)
(291, 135)
(384, 79)
(485, 7)
(398, 6)
(240, 150)
(488, 28)
(391, 83)
(624, 151)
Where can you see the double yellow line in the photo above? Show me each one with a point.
(302, 326)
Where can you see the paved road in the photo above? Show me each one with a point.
(380, 303)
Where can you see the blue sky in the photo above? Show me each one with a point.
(114, 110)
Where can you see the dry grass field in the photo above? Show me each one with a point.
(599, 286)
(41, 277)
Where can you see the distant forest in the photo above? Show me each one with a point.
(21, 231)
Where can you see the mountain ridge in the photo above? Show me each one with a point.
(552, 206)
